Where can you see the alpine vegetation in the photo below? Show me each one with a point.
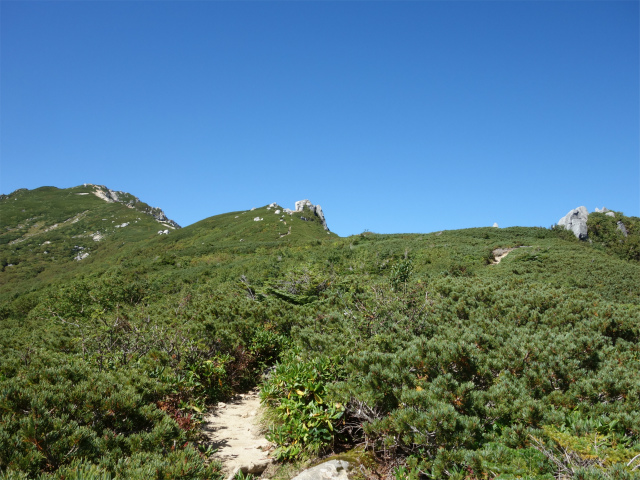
(467, 354)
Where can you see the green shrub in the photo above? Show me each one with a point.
(305, 419)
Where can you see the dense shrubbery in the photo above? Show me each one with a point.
(61, 415)
(305, 422)
(415, 346)
(607, 232)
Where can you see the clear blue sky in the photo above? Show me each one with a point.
(394, 116)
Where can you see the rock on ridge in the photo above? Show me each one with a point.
(316, 209)
(576, 221)
(128, 200)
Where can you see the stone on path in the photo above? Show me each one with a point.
(331, 470)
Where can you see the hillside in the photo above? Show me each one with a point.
(49, 232)
(418, 354)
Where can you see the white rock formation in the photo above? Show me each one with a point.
(495, 225)
(576, 221)
(316, 209)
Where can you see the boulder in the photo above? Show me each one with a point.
(253, 468)
(331, 470)
(610, 214)
(622, 228)
(576, 221)
(495, 225)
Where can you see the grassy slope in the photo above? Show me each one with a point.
(42, 231)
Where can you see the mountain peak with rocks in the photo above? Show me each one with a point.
(131, 201)
(315, 209)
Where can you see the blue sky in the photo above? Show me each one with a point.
(399, 116)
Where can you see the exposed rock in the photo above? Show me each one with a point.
(253, 468)
(576, 221)
(316, 209)
(81, 256)
(606, 211)
(128, 200)
(622, 228)
(257, 219)
(331, 470)
(495, 225)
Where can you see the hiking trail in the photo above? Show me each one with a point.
(233, 429)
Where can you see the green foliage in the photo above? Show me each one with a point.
(605, 231)
(76, 420)
(442, 363)
(305, 421)
(400, 274)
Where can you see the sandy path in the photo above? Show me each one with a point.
(233, 429)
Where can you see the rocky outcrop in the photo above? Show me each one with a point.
(606, 211)
(576, 221)
(316, 209)
(623, 229)
(128, 200)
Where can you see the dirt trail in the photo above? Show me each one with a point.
(500, 253)
(233, 429)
